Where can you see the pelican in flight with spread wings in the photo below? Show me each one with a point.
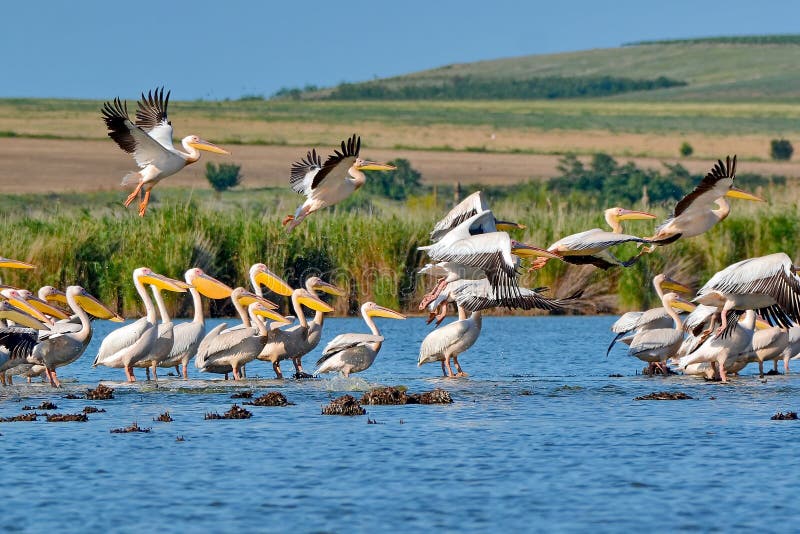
(469, 207)
(149, 140)
(325, 184)
(693, 214)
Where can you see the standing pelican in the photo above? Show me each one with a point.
(16, 316)
(164, 338)
(591, 247)
(126, 345)
(451, 340)
(187, 336)
(719, 351)
(149, 140)
(693, 214)
(325, 184)
(656, 346)
(353, 353)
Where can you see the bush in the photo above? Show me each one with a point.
(398, 184)
(223, 176)
(686, 149)
(781, 149)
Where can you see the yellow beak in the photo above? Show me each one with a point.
(507, 226)
(380, 311)
(632, 215)
(273, 282)
(94, 307)
(210, 287)
(27, 308)
(57, 296)
(12, 313)
(15, 264)
(680, 304)
(165, 283)
(247, 298)
(202, 144)
(329, 288)
(269, 314)
(46, 308)
(738, 193)
(528, 251)
(314, 303)
(375, 166)
(672, 285)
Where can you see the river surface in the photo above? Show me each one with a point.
(538, 438)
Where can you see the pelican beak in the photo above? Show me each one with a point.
(27, 308)
(681, 304)
(210, 287)
(760, 324)
(633, 215)
(529, 251)
(57, 296)
(15, 264)
(507, 226)
(47, 308)
(734, 192)
(329, 288)
(269, 314)
(202, 144)
(375, 166)
(314, 303)
(672, 285)
(12, 313)
(165, 283)
(380, 311)
(94, 307)
(247, 298)
(273, 282)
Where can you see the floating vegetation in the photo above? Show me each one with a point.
(128, 429)
(236, 412)
(273, 398)
(648, 371)
(385, 396)
(788, 416)
(163, 418)
(101, 392)
(45, 405)
(20, 418)
(92, 409)
(437, 396)
(665, 395)
(67, 418)
(344, 405)
(242, 395)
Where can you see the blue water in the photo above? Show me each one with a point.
(539, 438)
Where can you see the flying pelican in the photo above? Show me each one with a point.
(469, 207)
(126, 345)
(188, 335)
(591, 247)
(767, 284)
(325, 184)
(693, 214)
(55, 348)
(228, 350)
(353, 353)
(717, 351)
(451, 340)
(149, 140)
(297, 341)
(656, 346)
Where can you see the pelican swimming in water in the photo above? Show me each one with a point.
(693, 214)
(126, 345)
(353, 353)
(656, 346)
(188, 335)
(149, 141)
(592, 246)
(449, 341)
(325, 184)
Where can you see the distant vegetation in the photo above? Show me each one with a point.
(781, 149)
(792, 39)
(223, 176)
(398, 184)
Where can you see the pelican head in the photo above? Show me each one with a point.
(201, 144)
(13, 313)
(315, 283)
(507, 226)
(366, 165)
(674, 300)
(529, 251)
(308, 299)
(42, 305)
(92, 305)
(52, 295)
(15, 264)
(370, 309)
(146, 276)
(246, 298)
(18, 301)
(665, 282)
(208, 286)
(256, 308)
(259, 274)
(735, 192)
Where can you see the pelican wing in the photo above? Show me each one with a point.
(151, 116)
(595, 239)
(763, 339)
(186, 336)
(19, 341)
(338, 160)
(131, 138)
(122, 338)
(654, 340)
(490, 252)
(346, 341)
(303, 172)
(223, 342)
(627, 322)
(480, 295)
(715, 184)
(470, 206)
(442, 338)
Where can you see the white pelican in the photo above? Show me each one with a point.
(188, 335)
(591, 247)
(469, 207)
(353, 353)
(223, 351)
(451, 340)
(296, 341)
(722, 352)
(325, 184)
(164, 339)
(693, 214)
(126, 345)
(59, 346)
(767, 284)
(150, 142)
(770, 344)
(16, 316)
(16, 298)
(656, 346)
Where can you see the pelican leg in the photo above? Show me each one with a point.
(276, 366)
(51, 375)
(537, 264)
(3, 378)
(724, 316)
(155, 373)
(185, 370)
(129, 373)
(461, 372)
(10, 380)
(298, 369)
(444, 369)
(786, 363)
(226, 376)
(236, 375)
(431, 296)
(243, 371)
(143, 205)
(723, 375)
(133, 195)
(446, 362)
(760, 368)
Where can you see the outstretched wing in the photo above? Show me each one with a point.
(469, 207)
(715, 184)
(346, 341)
(151, 116)
(129, 137)
(339, 162)
(303, 172)
(480, 295)
(19, 341)
(595, 240)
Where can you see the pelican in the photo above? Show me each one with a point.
(767, 284)
(693, 214)
(187, 336)
(325, 184)
(126, 345)
(55, 348)
(451, 340)
(770, 344)
(656, 346)
(16, 298)
(722, 352)
(164, 338)
(149, 140)
(228, 350)
(469, 207)
(591, 247)
(17, 318)
(297, 341)
(353, 353)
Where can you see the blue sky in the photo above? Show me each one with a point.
(215, 50)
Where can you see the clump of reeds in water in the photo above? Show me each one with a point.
(436, 396)
(164, 418)
(273, 398)
(236, 412)
(242, 395)
(45, 405)
(344, 405)
(788, 416)
(93, 409)
(385, 396)
(130, 429)
(665, 395)
(67, 418)
(25, 417)
(101, 392)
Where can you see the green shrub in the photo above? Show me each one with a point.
(398, 184)
(780, 149)
(223, 176)
(686, 149)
